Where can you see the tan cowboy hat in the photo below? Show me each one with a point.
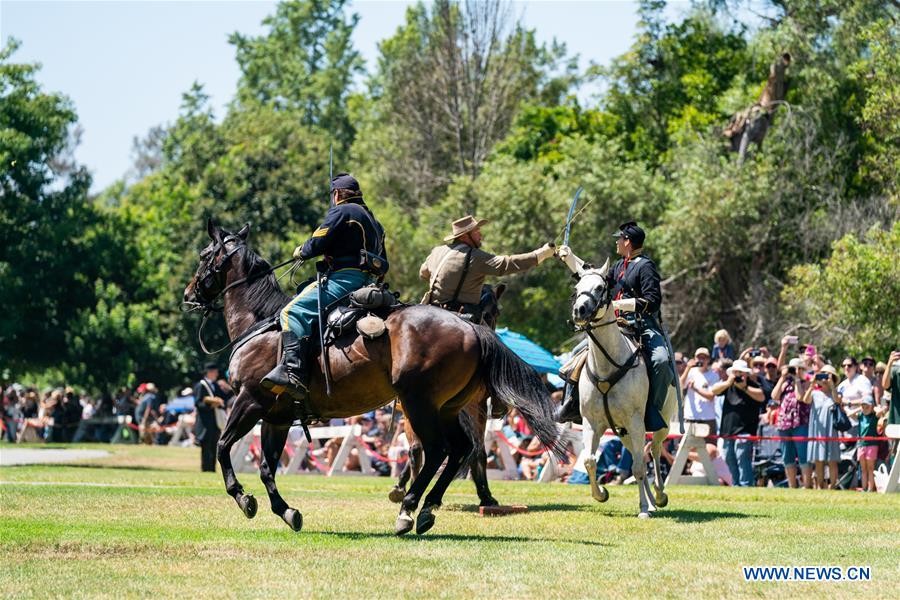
(463, 226)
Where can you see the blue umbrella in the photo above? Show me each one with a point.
(540, 359)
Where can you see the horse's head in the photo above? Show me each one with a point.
(215, 262)
(592, 296)
(490, 304)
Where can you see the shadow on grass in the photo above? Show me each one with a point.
(455, 537)
(532, 508)
(698, 516)
(78, 465)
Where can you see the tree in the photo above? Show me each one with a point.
(56, 243)
(848, 303)
(305, 64)
(667, 86)
(448, 85)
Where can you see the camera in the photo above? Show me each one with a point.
(755, 352)
(792, 339)
(739, 379)
(822, 376)
(792, 370)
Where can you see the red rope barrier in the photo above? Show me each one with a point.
(377, 456)
(312, 459)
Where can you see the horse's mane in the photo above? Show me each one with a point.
(264, 296)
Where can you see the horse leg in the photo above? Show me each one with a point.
(460, 447)
(410, 471)
(399, 490)
(591, 441)
(634, 441)
(479, 463)
(659, 438)
(273, 438)
(245, 413)
(428, 429)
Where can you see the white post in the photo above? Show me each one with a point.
(693, 440)
(570, 434)
(351, 440)
(893, 482)
(508, 471)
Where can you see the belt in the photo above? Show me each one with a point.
(345, 262)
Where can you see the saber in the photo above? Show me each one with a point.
(571, 213)
(321, 282)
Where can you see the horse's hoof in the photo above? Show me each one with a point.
(293, 518)
(662, 500)
(602, 494)
(248, 505)
(491, 501)
(397, 494)
(643, 515)
(425, 521)
(404, 523)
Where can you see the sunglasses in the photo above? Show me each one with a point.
(848, 365)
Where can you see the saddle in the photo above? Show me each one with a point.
(364, 309)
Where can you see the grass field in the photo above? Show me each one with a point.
(157, 527)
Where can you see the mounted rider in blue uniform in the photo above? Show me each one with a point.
(351, 241)
(637, 298)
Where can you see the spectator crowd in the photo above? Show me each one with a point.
(742, 397)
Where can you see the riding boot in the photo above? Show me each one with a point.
(570, 409)
(291, 376)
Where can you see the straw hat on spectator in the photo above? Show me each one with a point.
(829, 369)
(797, 363)
(701, 351)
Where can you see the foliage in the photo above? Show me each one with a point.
(848, 303)
(448, 85)
(56, 243)
(305, 63)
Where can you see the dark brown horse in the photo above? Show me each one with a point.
(433, 361)
(478, 413)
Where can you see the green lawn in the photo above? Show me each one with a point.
(158, 527)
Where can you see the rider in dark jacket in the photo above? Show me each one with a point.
(351, 241)
(637, 298)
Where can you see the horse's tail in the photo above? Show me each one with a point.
(508, 377)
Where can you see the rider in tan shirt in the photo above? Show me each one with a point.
(456, 270)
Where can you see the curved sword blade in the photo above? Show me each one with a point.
(571, 213)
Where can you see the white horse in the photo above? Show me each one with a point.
(615, 367)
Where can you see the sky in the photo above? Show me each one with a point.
(125, 64)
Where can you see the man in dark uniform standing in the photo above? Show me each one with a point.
(352, 243)
(208, 398)
(637, 298)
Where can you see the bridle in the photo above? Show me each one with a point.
(208, 287)
(604, 385)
